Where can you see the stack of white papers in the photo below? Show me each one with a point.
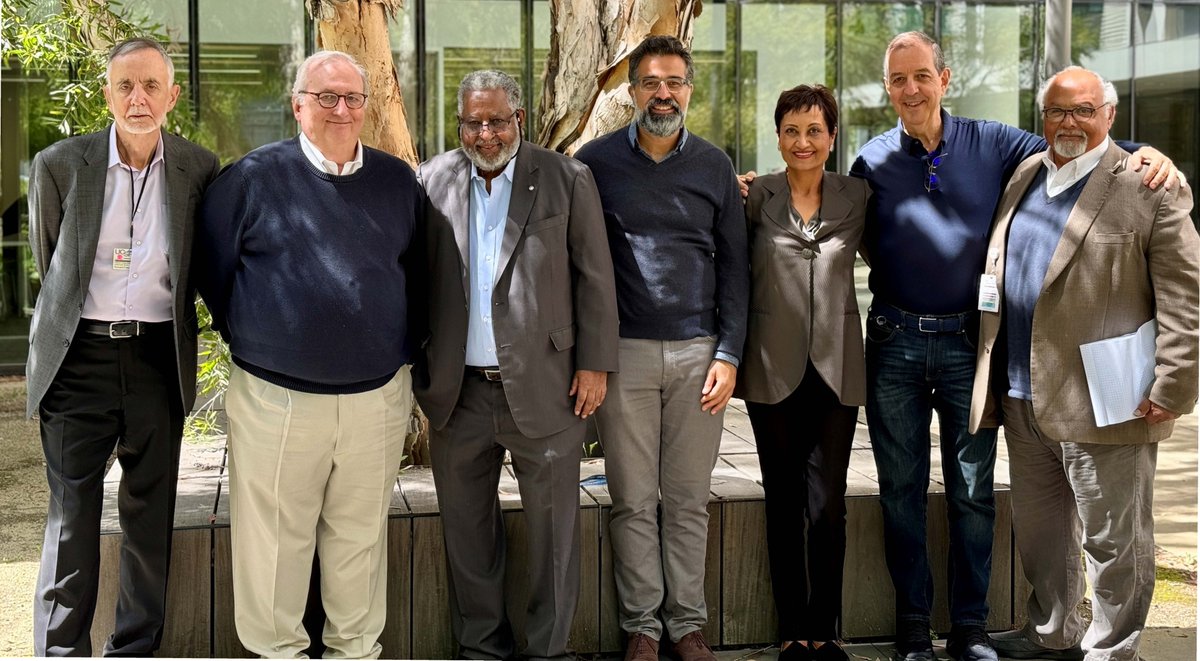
(1119, 373)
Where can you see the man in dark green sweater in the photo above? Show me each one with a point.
(677, 233)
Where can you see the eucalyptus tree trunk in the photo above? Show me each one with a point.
(360, 28)
(585, 88)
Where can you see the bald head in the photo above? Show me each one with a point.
(1078, 108)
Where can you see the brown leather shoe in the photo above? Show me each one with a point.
(641, 648)
(693, 647)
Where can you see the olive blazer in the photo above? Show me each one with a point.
(802, 301)
(1127, 254)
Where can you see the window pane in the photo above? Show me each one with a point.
(989, 49)
(866, 31)
(463, 36)
(1167, 65)
(774, 60)
(1100, 42)
(248, 57)
(711, 111)
(402, 34)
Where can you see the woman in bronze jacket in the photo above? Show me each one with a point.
(803, 375)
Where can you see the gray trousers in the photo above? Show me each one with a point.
(1073, 497)
(659, 444)
(467, 456)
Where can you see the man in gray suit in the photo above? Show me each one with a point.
(112, 355)
(1082, 252)
(523, 331)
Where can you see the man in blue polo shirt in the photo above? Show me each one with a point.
(936, 181)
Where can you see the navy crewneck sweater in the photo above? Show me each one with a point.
(305, 272)
(677, 232)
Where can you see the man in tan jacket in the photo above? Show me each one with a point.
(1081, 252)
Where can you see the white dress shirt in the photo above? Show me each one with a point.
(1060, 179)
(143, 291)
(319, 161)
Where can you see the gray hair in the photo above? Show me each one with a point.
(489, 79)
(321, 57)
(134, 45)
(905, 39)
(1110, 92)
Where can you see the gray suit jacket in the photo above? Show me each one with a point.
(66, 198)
(555, 302)
(802, 309)
(1127, 254)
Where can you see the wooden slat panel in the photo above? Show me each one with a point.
(225, 638)
(396, 638)
(868, 599)
(748, 609)
(432, 637)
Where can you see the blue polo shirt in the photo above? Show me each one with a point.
(927, 248)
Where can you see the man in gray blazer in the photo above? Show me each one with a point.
(523, 331)
(112, 355)
(1081, 252)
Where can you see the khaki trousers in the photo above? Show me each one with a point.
(312, 472)
(1069, 498)
(660, 449)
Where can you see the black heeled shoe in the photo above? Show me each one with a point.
(829, 650)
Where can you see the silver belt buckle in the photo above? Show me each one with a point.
(490, 375)
(933, 320)
(120, 330)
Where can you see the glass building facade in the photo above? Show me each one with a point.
(235, 61)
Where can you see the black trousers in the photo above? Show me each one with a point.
(108, 394)
(804, 451)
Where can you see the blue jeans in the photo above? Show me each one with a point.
(910, 374)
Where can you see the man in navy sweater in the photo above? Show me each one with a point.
(306, 250)
(677, 232)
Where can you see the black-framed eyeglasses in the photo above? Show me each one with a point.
(329, 100)
(674, 84)
(932, 163)
(1080, 113)
(498, 125)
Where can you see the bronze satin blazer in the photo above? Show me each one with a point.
(802, 309)
(1127, 254)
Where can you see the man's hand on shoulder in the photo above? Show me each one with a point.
(588, 388)
(744, 181)
(1152, 413)
(718, 386)
(1160, 170)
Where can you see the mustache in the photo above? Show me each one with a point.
(664, 103)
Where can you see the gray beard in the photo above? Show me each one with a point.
(484, 164)
(1070, 148)
(663, 126)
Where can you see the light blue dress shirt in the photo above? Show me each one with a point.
(489, 215)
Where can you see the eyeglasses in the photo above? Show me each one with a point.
(1080, 113)
(651, 85)
(932, 162)
(499, 125)
(329, 100)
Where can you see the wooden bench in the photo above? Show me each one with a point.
(737, 584)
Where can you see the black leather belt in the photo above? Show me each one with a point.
(120, 330)
(486, 373)
(924, 323)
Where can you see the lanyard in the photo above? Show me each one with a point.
(134, 203)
